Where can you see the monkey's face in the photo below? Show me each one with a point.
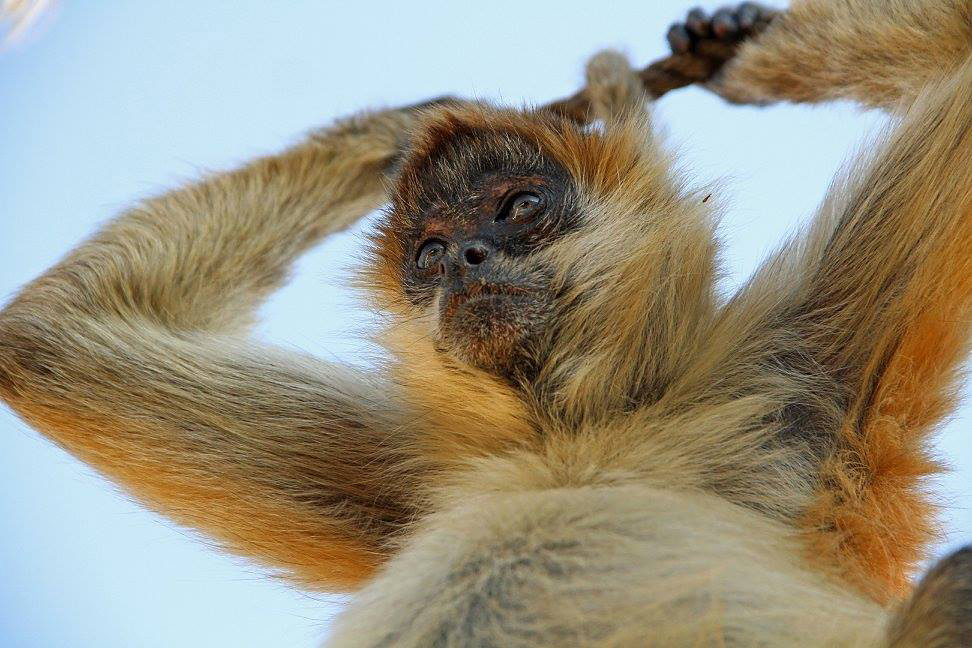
(470, 237)
(471, 263)
(507, 236)
(460, 248)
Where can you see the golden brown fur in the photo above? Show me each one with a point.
(872, 515)
(654, 466)
(876, 53)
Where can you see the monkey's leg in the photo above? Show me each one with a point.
(939, 612)
(127, 354)
(878, 52)
(620, 566)
(864, 322)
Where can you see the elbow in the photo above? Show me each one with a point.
(24, 358)
(10, 361)
(6, 376)
(8, 385)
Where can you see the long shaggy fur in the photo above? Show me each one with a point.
(668, 468)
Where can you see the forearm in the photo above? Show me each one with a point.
(896, 244)
(878, 52)
(202, 256)
(889, 248)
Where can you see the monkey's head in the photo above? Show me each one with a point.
(522, 245)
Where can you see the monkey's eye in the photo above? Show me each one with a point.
(522, 207)
(430, 254)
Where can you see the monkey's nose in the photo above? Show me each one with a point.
(474, 253)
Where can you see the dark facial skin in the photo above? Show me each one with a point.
(471, 261)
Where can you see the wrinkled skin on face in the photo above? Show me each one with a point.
(467, 228)
(491, 300)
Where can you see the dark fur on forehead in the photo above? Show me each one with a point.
(449, 152)
(454, 146)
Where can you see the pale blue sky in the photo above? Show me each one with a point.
(116, 100)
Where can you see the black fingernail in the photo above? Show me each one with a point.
(747, 15)
(698, 22)
(724, 23)
(679, 39)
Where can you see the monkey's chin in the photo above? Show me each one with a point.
(490, 331)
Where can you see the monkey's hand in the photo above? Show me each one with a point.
(703, 43)
(700, 47)
(882, 54)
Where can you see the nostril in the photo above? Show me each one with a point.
(475, 254)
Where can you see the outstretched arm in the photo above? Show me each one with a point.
(878, 52)
(126, 354)
(860, 325)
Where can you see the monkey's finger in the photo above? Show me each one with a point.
(697, 23)
(747, 15)
(766, 17)
(724, 23)
(679, 38)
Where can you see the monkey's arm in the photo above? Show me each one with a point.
(126, 353)
(878, 52)
(861, 326)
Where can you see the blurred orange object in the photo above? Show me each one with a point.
(18, 16)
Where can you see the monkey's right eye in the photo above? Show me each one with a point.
(430, 254)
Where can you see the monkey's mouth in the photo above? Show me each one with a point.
(481, 291)
(489, 324)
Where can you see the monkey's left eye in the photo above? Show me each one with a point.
(522, 207)
(430, 254)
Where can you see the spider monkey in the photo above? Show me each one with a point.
(574, 440)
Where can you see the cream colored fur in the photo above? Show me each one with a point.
(681, 471)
